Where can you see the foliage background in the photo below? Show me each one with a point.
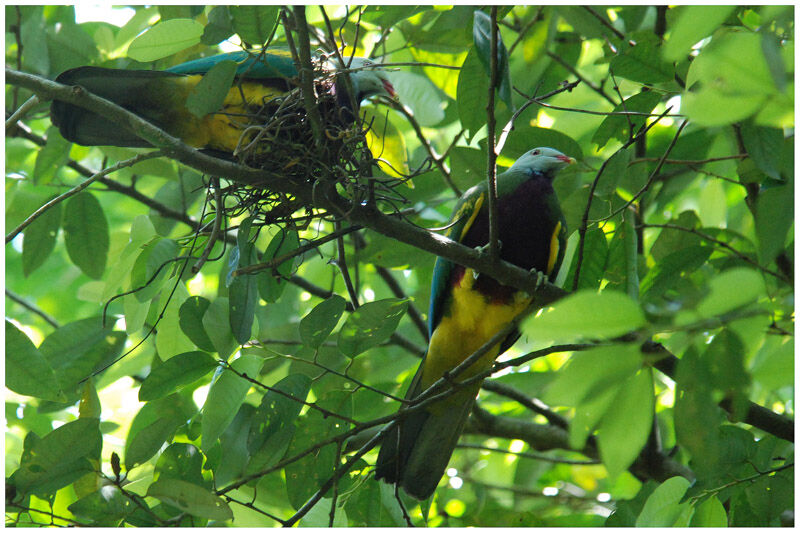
(687, 230)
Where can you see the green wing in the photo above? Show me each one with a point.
(465, 212)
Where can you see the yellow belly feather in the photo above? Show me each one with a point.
(471, 321)
(223, 130)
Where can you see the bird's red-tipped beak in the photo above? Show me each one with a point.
(566, 159)
(389, 88)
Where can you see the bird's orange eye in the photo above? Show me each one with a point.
(535, 152)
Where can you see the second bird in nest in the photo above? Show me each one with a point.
(260, 89)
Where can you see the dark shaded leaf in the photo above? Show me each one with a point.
(175, 372)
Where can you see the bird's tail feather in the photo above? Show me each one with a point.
(149, 94)
(415, 453)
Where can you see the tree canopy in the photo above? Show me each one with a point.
(195, 340)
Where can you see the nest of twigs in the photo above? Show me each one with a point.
(277, 137)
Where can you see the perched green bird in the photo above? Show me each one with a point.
(467, 309)
(160, 97)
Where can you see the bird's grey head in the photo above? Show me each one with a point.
(544, 160)
(369, 81)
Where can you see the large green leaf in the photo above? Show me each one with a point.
(318, 324)
(51, 157)
(254, 23)
(774, 217)
(210, 92)
(27, 371)
(59, 458)
(174, 373)
(86, 234)
(620, 127)
(191, 322)
(225, 396)
(586, 315)
(693, 24)
(627, 423)
(592, 372)
(271, 285)
(370, 325)
(274, 421)
(165, 38)
(191, 498)
(664, 508)
(78, 349)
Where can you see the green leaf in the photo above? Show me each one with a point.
(86, 234)
(665, 273)
(253, 23)
(104, 507)
(51, 157)
(663, 507)
(386, 142)
(370, 325)
(697, 417)
(420, 95)
(764, 145)
(620, 127)
(59, 458)
(152, 267)
(589, 413)
(317, 325)
(692, 25)
(39, 239)
(225, 396)
(626, 425)
(586, 314)
(273, 424)
(154, 424)
(595, 256)
(471, 93)
(774, 217)
(181, 460)
(191, 321)
(170, 340)
(319, 515)
(174, 373)
(728, 81)
(190, 498)
(729, 290)
(642, 63)
(482, 36)
(219, 27)
(27, 371)
(709, 513)
(270, 286)
(217, 326)
(590, 373)
(210, 92)
(165, 38)
(243, 301)
(78, 349)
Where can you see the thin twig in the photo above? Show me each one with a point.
(529, 455)
(300, 250)
(491, 154)
(215, 228)
(341, 264)
(29, 104)
(307, 73)
(32, 308)
(724, 245)
(78, 188)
